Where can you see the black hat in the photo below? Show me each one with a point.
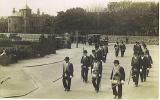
(116, 62)
(93, 50)
(66, 58)
(85, 51)
(142, 53)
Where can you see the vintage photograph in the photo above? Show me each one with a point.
(79, 49)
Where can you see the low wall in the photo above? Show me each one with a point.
(152, 40)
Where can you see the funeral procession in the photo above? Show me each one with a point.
(79, 49)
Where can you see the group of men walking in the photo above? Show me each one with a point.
(94, 61)
(141, 62)
(119, 48)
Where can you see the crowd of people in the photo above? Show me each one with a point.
(141, 63)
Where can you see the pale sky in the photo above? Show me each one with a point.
(53, 6)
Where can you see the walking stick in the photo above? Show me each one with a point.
(130, 76)
(57, 79)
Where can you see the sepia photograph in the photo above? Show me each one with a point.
(79, 49)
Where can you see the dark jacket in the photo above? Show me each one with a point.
(99, 54)
(85, 61)
(122, 47)
(69, 70)
(106, 50)
(135, 63)
(144, 63)
(91, 58)
(121, 72)
(137, 49)
(116, 47)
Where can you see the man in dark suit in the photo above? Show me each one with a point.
(67, 74)
(99, 57)
(85, 61)
(122, 49)
(92, 58)
(137, 48)
(105, 51)
(143, 67)
(117, 79)
(116, 47)
(96, 76)
(135, 68)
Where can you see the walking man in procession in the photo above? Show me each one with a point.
(135, 68)
(85, 61)
(122, 49)
(117, 79)
(143, 67)
(96, 76)
(116, 47)
(67, 74)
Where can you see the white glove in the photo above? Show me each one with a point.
(122, 81)
(114, 81)
(140, 70)
(99, 75)
(71, 76)
(147, 68)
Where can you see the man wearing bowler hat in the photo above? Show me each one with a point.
(117, 79)
(67, 74)
(85, 61)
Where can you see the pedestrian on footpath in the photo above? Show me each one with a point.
(116, 47)
(143, 67)
(135, 68)
(96, 76)
(122, 48)
(117, 79)
(85, 61)
(67, 74)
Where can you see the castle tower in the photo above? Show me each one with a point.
(26, 13)
(38, 11)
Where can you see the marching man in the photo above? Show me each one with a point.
(143, 67)
(116, 47)
(96, 76)
(117, 79)
(67, 74)
(135, 68)
(85, 61)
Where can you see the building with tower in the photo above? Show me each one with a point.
(25, 21)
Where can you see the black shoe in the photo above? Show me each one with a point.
(119, 97)
(68, 90)
(115, 96)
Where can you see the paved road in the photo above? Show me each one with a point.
(41, 77)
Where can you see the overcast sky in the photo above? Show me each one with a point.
(52, 6)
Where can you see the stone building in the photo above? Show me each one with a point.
(24, 21)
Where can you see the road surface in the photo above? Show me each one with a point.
(25, 81)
